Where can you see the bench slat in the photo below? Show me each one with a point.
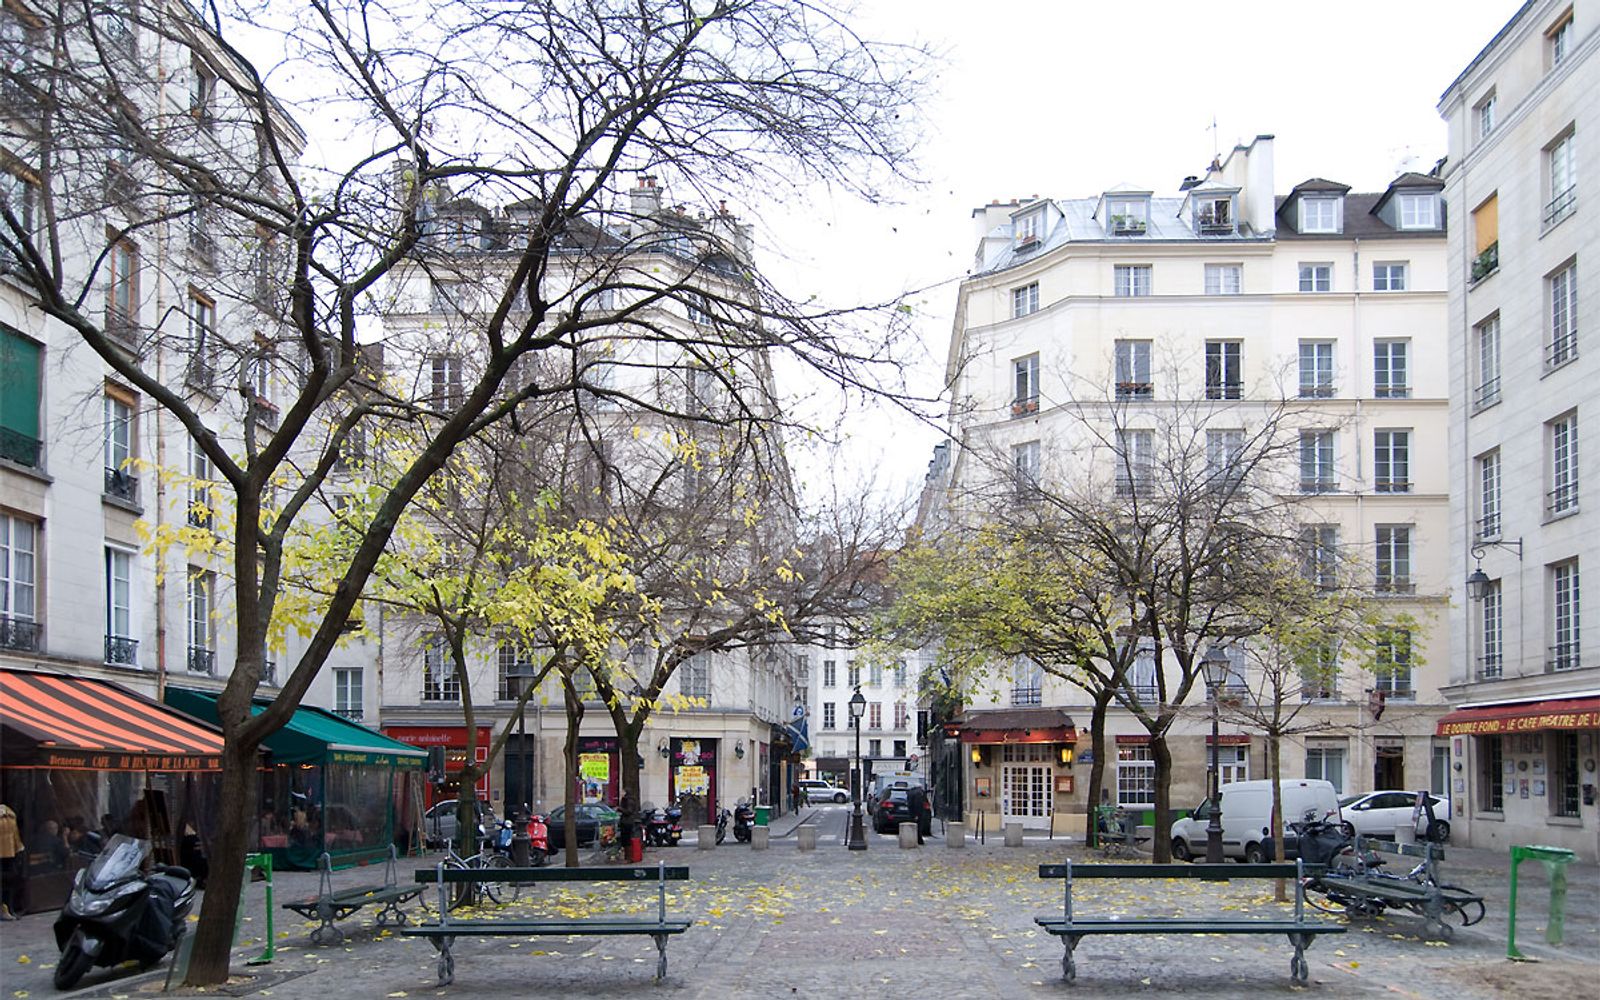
(612, 873)
(1220, 872)
(1175, 925)
(520, 928)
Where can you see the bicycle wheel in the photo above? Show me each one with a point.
(1316, 896)
(461, 894)
(1468, 912)
(500, 892)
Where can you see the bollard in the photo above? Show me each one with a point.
(1013, 834)
(908, 836)
(759, 837)
(708, 836)
(263, 864)
(1555, 860)
(807, 835)
(955, 835)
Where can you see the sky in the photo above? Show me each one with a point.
(1068, 98)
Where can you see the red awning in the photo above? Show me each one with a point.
(1569, 713)
(50, 721)
(1230, 739)
(1049, 734)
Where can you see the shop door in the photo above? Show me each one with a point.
(1025, 784)
(692, 779)
(1389, 768)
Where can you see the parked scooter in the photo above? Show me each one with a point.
(500, 839)
(117, 913)
(722, 825)
(538, 840)
(744, 820)
(661, 829)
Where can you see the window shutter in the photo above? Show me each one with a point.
(19, 384)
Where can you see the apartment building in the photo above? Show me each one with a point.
(1525, 681)
(889, 743)
(1085, 319)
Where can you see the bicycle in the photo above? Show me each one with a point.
(486, 858)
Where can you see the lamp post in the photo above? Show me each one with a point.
(1216, 665)
(857, 839)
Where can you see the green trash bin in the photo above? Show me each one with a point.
(1555, 861)
(763, 813)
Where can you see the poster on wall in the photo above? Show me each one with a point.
(693, 779)
(1523, 789)
(1538, 789)
(594, 771)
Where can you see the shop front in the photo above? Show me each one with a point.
(451, 743)
(82, 759)
(1021, 765)
(692, 778)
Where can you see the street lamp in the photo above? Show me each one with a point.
(857, 841)
(1216, 664)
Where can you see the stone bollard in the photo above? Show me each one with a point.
(808, 837)
(908, 836)
(1405, 833)
(1013, 834)
(955, 835)
(708, 836)
(759, 837)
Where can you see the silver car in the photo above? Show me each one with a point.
(439, 826)
(816, 790)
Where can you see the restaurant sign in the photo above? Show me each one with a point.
(1519, 723)
(117, 761)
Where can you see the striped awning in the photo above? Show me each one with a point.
(51, 721)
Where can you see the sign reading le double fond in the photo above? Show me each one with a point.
(1521, 724)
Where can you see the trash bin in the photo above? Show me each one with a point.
(763, 814)
(635, 849)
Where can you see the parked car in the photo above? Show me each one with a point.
(439, 826)
(817, 791)
(893, 808)
(1247, 814)
(1380, 813)
(596, 824)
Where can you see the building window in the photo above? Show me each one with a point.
(1027, 682)
(202, 650)
(829, 673)
(900, 748)
(875, 715)
(1392, 461)
(200, 512)
(694, 677)
(120, 479)
(1488, 356)
(1418, 211)
(1025, 463)
(1224, 458)
(1319, 671)
(875, 675)
(1319, 215)
(1389, 277)
(875, 748)
(1564, 774)
(1213, 216)
(1224, 279)
(1563, 437)
(1316, 369)
(1232, 763)
(1025, 300)
(1131, 280)
(202, 92)
(1316, 462)
(1316, 277)
(439, 680)
(852, 674)
(1326, 764)
(1483, 114)
(1565, 607)
(1393, 563)
(1319, 544)
(900, 673)
(1133, 370)
(1128, 216)
(19, 545)
(20, 193)
(1489, 663)
(204, 349)
(1491, 778)
(347, 694)
(829, 716)
(1135, 461)
(1224, 370)
(121, 646)
(1563, 316)
(1563, 179)
(1486, 238)
(1392, 672)
(1025, 385)
(1025, 229)
(1391, 373)
(1489, 495)
(445, 386)
(122, 288)
(901, 715)
(514, 669)
(1136, 777)
(1558, 40)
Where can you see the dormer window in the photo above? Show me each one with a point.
(1213, 215)
(1026, 228)
(1127, 216)
(1419, 211)
(1320, 215)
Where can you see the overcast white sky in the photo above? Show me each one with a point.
(1068, 98)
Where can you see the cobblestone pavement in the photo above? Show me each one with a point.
(931, 922)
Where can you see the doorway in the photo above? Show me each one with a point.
(1025, 785)
(1389, 767)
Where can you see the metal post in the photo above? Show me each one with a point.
(858, 833)
(1214, 821)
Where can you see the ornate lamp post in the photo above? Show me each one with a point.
(1216, 665)
(857, 839)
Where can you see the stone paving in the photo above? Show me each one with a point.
(931, 922)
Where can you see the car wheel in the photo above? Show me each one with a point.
(1180, 850)
(839, 799)
(1253, 854)
(1439, 832)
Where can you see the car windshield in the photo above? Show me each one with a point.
(1350, 800)
(118, 862)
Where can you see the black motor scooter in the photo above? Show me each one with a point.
(722, 825)
(117, 913)
(744, 820)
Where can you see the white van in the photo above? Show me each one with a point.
(1247, 812)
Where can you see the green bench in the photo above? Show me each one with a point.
(330, 904)
(1072, 928)
(1421, 892)
(444, 932)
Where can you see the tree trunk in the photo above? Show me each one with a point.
(1161, 847)
(1097, 767)
(570, 778)
(213, 941)
(1275, 775)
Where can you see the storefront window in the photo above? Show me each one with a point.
(1328, 764)
(1136, 776)
(1491, 776)
(1564, 772)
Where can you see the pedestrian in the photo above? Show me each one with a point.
(12, 858)
(921, 810)
(794, 796)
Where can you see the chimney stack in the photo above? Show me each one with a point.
(645, 201)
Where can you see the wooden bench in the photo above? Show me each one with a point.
(447, 929)
(331, 904)
(1072, 928)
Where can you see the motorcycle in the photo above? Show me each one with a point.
(722, 826)
(538, 840)
(500, 840)
(744, 820)
(661, 828)
(116, 913)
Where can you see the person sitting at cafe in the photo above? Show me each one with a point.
(55, 844)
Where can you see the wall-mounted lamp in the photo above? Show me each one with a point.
(664, 749)
(977, 756)
(1478, 583)
(1066, 754)
(738, 749)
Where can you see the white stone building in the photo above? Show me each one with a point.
(1525, 679)
(888, 724)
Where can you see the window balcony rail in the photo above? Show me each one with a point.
(1027, 241)
(1489, 526)
(1391, 392)
(265, 413)
(1561, 206)
(1487, 262)
(1147, 694)
(1232, 690)
(1398, 691)
(1316, 390)
(435, 692)
(122, 650)
(1394, 585)
(347, 712)
(202, 661)
(199, 515)
(19, 634)
(1208, 226)
(1390, 485)
(1489, 667)
(1487, 394)
(123, 329)
(1136, 390)
(203, 246)
(122, 485)
(1025, 406)
(1319, 484)
(1025, 696)
(200, 372)
(20, 448)
(1317, 690)
(1224, 390)
(1127, 487)
(1563, 656)
(121, 186)
(1561, 349)
(1561, 500)
(1128, 225)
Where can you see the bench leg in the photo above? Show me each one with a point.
(327, 933)
(391, 911)
(447, 961)
(1069, 968)
(661, 956)
(1299, 969)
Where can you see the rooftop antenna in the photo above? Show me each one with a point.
(1216, 145)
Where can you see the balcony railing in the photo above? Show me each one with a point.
(1561, 349)
(1487, 394)
(1561, 206)
(1025, 407)
(1208, 226)
(123, 650)
(1395, 585)
(1319, 484)
(1561, 500)
(1224, 390)
(1128, 225)
(1147, 694)
(1026, 696)
(1316, 390)
(122, 485)
(1127, 487)
(1489, 666)
(1136, 390)
(1391, 392)
(1487, 262)
(19, 634)
(348, 712)
(19, 448)
(202, 661)
(200, 372)
(1563, 656)
(1389, 484)
(1489, 526)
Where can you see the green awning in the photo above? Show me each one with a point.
(312, 735)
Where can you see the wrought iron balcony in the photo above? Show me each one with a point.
(1563, 656)
(122, 485)
(1561, 206)
(1487, 262)
(1224, 390)
(1391, 392)
(202, 661)
(1393, 585)
(1561, 500)
(1489, 667)
(1319, 484)
(1316, 390)
(122, 650)
(20, 448)
(19, 634)
(1561, 349)
(1025, 406)
(353, 714)
(1487, 394)
(1128, 225)
(1489, 526)
(1136, 390)
(1389, 484)
(1026, 695)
